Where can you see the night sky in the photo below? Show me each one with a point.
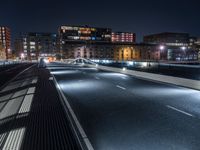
(139, 16)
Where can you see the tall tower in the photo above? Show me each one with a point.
(5, 41)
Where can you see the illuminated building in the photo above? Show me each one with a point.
(150, 52)
(103, 44)
(5, 40)
(136, 52)
(177, 46)
(125, 53)
(88, 51)
(112, 51)
(91, 42)
(2, 52)
(76, 41)
(34, 45)
(168, 38)
(123, 37)
(84, 33)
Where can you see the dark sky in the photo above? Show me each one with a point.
(139, 16)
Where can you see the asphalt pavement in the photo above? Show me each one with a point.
(121, 112)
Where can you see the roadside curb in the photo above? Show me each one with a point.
(76, 126)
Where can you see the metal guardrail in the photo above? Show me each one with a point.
(138, 64)
(4, 63)
(180, 65)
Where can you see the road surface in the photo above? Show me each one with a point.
(121, 112)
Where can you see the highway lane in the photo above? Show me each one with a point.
(118, 111)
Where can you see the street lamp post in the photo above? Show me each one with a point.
(123, 59)
(161, 48)
(183, 49)
(161, 51)
(22, 56)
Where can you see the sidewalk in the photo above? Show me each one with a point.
(31, 115)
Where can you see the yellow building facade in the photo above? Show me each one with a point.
(126, 53)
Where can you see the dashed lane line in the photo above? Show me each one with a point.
(181, 111)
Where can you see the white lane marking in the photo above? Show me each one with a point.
(14, 139)
(97, 78)
(181, 111)
(123, 88)
(31, 90)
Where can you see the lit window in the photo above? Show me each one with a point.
(32, 47)
(32, 43)
(76, 38)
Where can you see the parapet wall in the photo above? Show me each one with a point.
(189, 83)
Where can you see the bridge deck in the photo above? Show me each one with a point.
(31, 115)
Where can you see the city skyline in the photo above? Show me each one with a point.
(127, 16)
(96, 75)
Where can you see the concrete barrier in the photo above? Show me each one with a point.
(189, 83)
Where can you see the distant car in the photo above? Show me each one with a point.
(42, 63)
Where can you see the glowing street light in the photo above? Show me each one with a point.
(183, 48)
(162, 47)
(161, 50)
(22, 56)
(124, 69)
